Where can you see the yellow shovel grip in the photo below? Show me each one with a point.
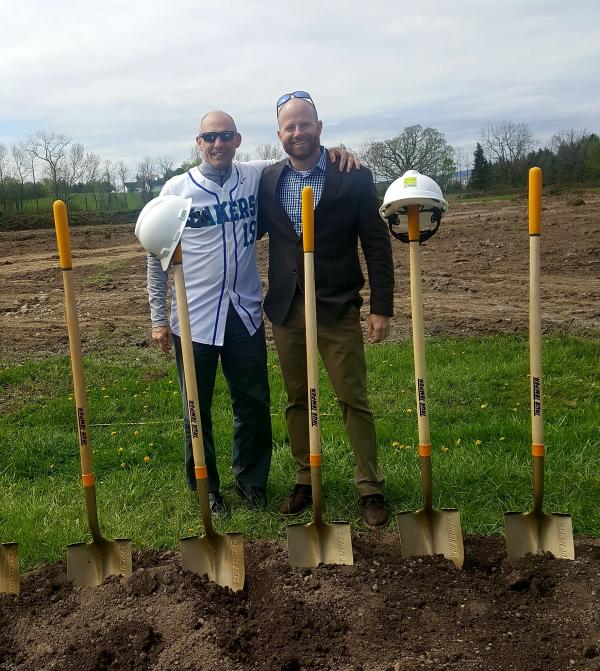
(308, 219)
(61, 225)
(535, 201)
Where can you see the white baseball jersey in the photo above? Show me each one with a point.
(219, 250)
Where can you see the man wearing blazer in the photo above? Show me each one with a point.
(346, 213)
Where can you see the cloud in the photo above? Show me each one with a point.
(130, 79)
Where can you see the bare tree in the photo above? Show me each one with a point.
(31, 155)
(72, 170)
(268, 152)
(122, 173)
(243, 156)
(195, 155)
(108, 181)
(164, 166)
(507, 144)
(571, 148)
(146, 175)
(21, 167)
(91, 177)
(416, 148)
(51, 148)
(3, 173)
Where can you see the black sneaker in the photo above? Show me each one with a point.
(253, 498)
(299, 498)
(217, 504)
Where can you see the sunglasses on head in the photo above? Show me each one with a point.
(225, 135)
(303, 95)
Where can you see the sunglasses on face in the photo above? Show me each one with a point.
(303, 95)
(225, 135)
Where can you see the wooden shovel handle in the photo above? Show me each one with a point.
(312, 370)
(64, 249)
(416, 306)
(191, 390)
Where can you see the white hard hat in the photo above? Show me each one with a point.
(160, 225)
(413, 188)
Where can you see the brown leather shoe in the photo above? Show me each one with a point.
(374, 512)
(299, 498)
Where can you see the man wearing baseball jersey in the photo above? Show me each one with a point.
(225, 304)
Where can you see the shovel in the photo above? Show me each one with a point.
(425, 531)
(88, 564)
(317, 542)
(535, 532)
(9, 568)
(218, 556)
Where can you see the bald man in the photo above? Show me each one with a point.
(225, 304)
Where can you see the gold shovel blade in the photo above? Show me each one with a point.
(89, 564)
(319, 543)
(219, 556)
(529, 533)
(9, 568)
(433, 532)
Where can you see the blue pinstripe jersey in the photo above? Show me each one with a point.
(219, 251)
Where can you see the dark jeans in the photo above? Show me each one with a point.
(244, 364)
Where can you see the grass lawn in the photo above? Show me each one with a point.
(480, 430)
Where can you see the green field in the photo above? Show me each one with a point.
(480, 430)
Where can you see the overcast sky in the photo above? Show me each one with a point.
(132, 78)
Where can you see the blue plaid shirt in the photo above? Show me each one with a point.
(291, 184)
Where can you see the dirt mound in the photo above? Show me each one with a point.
(385, 613)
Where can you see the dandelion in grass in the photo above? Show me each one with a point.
(443, 448)
(113, 433)
(483, 406)
(408, 410)
(120, 450)
(147, 459)
(477, 442)
(151, 444)
(502, 438)
(396, 444)
(106, 396)
(136, 433)
(122, 464)
(458, 441)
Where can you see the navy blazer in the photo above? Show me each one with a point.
(348, 212)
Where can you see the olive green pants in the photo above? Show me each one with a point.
(341, 348)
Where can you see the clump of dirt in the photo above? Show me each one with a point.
(385, 613)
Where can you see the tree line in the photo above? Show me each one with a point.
(49, 164)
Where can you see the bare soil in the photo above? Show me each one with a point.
(385, 613)
(475, 273)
